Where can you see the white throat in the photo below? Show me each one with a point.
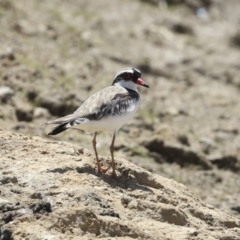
(127, 84)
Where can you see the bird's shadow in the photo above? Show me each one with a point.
(125, 181)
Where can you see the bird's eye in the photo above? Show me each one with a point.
(127, 76)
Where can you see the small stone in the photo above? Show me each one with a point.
(36, 196)
(126, 199)
(182, 28)
(207, 144)
(5, 94)
(173, 111)
(40, 112)
(183, 139)
(24, 112)
(41, 207)
(5, 234)
(202, 13)
(207, 141)
(236, 208)
(7, 217)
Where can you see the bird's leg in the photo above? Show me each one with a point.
(94, 142)
(114, 175)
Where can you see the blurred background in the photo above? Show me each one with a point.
(54, 54)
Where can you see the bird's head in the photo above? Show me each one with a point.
(129, 78)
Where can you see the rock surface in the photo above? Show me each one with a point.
(50, 190)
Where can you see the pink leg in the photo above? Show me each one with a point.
(113, 175)
(94, 142)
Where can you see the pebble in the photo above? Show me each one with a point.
(41, 207)
(5, 234)
(207, 141)
(5, 93)
(40, 112)
(126, 199)
(36, 195)
(202, 13)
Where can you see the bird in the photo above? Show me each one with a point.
(106, 110)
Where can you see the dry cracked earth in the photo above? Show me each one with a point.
(179, 157)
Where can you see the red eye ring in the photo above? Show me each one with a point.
(126, 75)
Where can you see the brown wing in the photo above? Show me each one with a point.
(111, 101)
(96, 102)
(92, 105)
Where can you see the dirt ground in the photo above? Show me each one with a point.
(51, 190)
(54, 54)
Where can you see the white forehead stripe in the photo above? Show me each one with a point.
(123, 71)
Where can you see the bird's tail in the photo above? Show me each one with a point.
(65, 125)
(59, 129)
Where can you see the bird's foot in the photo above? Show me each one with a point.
(114, 176)
(102, 169)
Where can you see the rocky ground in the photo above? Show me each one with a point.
(54, 54)
(50, 190)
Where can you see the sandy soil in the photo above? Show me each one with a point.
(54, 54)
(50, 190)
